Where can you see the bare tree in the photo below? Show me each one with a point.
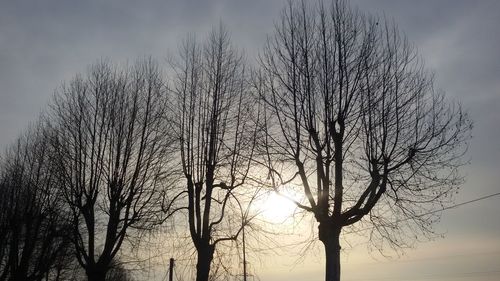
(216, 140)
(111, 147)
(353, 114)
(33, 233)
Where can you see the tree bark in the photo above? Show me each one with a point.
(329, 234)
(96, 274)
(205, 257)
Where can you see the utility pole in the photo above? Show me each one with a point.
(171, 270)
(244, 257)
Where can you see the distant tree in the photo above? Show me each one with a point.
(216, 140)
(354, 120)
(33, 223)
(111, 152)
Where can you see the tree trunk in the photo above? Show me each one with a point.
(19, 276)
(205, 257)
(96, 274)
(329, 234)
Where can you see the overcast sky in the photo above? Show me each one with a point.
(43, 43)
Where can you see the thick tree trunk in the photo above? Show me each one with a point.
(19, 276)
(205, 257)
(96, 274)
(330, 236)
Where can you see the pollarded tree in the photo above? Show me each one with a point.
(111, 150)
(216, 139)
(34, 228)
(352, 112)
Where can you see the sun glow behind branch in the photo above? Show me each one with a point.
(277, 208)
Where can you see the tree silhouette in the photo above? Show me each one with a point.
(353, 118)
(111, 147)
(34, 228)
(216, 139)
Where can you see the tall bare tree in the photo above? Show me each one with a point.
(111, 147)
(34, 228)
(353, 114)
(216, 140)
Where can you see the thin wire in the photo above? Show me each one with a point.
(435, 276)
(435, 258)
(460, 204)
(434, 211)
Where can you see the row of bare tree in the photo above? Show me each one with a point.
(340, 107)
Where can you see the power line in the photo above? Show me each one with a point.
(435, 211)
(435, 276)
(460, 204)
(429, 259)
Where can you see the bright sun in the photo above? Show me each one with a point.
(276, 208)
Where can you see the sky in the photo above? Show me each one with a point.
(44, 43)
